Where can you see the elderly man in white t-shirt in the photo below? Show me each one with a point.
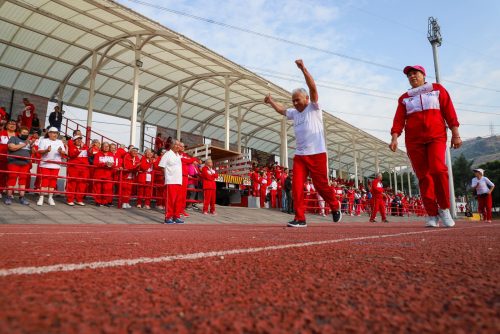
(172, 166)
(310, 154)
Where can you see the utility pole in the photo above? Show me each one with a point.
(434, 37)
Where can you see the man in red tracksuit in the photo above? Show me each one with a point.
(423, 112)
(28, 113)
(378, 201)
(209, 175)
(310, 154)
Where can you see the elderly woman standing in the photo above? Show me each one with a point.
(484, 187)
(423, 112)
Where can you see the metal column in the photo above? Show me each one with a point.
(226, 113)
(93, 74)
(135, 97)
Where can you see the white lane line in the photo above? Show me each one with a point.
(193, 256)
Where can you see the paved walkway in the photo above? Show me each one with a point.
(90, 214)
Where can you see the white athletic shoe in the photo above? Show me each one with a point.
(446, 218)
(40, 201)
(51, 201)
(432, 221)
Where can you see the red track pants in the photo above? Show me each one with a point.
(144, 193)
(378, 206)
(484, 205)
(315, 166)
(183, 194)
(209, 200)
(174, 205)
(428, 161)
(76, 185)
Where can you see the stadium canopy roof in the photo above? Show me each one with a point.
(55, 49)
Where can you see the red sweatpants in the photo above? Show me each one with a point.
(209, 200)
(484, 205)
(49, 177)
(315, 166)
(262, 197)
(127, 190)
(183, 194)
(104, 191)
(144, 193)
(3, 174)
(273, 199)
(378, 205)
(428, 161)
(174, 206)
(77, 186)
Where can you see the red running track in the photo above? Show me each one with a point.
(240, 278)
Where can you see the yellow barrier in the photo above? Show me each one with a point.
(475, 217)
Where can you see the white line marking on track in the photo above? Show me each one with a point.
(194, 256)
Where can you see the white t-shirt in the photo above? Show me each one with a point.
(172, 165)
(484, 182)
(309, 132)
(53, 155)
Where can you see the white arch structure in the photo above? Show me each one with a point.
(103, 57)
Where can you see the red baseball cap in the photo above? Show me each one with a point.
(414, 67)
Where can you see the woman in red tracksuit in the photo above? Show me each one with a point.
(209, 175)
(104, 161)
(78, 172)
(378, 201)
(262, 188)
(145, 180)
(424, 112)
(159, 182)
(131, 164)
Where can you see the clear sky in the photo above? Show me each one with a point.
(390, 33)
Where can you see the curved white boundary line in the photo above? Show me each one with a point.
(193, 256)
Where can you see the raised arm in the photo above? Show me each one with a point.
(313, 91)
(276, 106)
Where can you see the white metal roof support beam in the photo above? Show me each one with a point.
(239, 129)
(355, 157)
(226, 112)
(390, 176)
(179, 107)
(395, 181)
(135, 98)
(284, 143)
(377, 168)
(402, 183)
(93, 73)
(409, 184)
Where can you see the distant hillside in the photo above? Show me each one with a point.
(481, 150)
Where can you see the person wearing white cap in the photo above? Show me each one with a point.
(52, 150)
(484, 187)
(423, 112)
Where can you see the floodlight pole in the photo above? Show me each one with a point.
(434, 37)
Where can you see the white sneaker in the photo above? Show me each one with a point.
(80, 203)
(40, 201)
(51, 201)
(432, 221)
(125, 206)
(446, 218)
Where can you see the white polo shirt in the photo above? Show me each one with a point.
(483, 183)
(53, 155)
(309, 132)
(172, 166)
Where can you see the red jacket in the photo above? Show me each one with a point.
(422, 112)
(209, 175)
(377, 189)
(186, 160)
(4, 139)
(77, 155)
(27, 116)
(103, 171)
(145, 170)
(131, 166)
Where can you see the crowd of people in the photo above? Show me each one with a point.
(108, 173)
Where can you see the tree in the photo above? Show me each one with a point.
(492, 172)
(462, 169)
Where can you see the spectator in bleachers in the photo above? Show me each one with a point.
(52, 151)
(27, 114)
(55, 118)
(262, 187)
(35, 124)
(208, 175)
(159, 144)
(19, 148)
(193, 180)
(169, 143)
(172, 167)
(281, 181)
(131, 165)
(186, 160)
(288, 191)
(145, 179)
(4, 116)
(78, 171)
(5, 135)
(159, 181)
(103, 176)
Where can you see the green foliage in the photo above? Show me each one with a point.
(492, 172)
(462, 174)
